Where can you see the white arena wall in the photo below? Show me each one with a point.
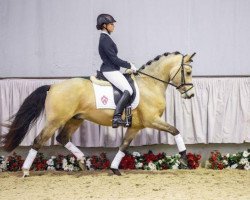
(218, 117)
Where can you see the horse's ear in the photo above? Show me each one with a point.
(188, 58)
(192, 57)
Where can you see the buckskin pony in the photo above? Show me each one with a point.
(68, 103)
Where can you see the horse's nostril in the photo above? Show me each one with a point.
(192, 95)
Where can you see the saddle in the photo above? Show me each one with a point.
(116, 91)
(101, 80)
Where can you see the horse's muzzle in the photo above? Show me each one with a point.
(189, 97)
(188, 94)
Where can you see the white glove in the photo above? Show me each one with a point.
(133, 68)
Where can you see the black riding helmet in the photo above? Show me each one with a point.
(104, 19)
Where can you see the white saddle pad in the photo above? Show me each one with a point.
(104, 97)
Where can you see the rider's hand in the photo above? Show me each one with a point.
(133, 68)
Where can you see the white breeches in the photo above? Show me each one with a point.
(118, 80)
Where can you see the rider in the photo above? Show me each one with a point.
(111, 65)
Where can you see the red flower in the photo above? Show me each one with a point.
(216, 160)
(150, 157)
(15, 162)
(198, 156)
(100, 162)
(193, 160)
(128, 162)
(220, 166)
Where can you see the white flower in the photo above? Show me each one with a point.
(51, 168)
(136, 154)
(72, 160)
(168, 157)
(234, 166)
(88, 163)
(53, 157)
(76, 169)
(3, 166)
(177, 155)
(247, 166)
(243, 161)
(160, 162)
(234, 155)
(175, 166)
(228, 155)
(225, 162)
(151, 166)
(245, 154)
(70, 168)
(138, 165)
(65, 168)
(50, 162)
(64, 163)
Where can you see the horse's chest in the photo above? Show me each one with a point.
(160, 105)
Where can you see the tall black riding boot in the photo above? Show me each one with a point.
(117, 120)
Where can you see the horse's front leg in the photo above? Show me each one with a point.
(161, 125)
(129, 136)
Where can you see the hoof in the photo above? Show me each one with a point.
(82, 164)
(116, 172)
(183, 163)
(26, 173)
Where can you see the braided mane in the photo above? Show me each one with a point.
(157, 58)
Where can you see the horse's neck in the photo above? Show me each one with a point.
(161, 70)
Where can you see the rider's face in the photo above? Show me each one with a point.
(110, 27)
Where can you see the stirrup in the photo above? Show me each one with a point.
(117, 122)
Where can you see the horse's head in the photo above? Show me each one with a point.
(181, 76)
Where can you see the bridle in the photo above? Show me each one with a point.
(170, 82)
(183, 82)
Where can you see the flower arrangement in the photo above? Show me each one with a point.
(135, 160)
(161, 161)
(40, 163)
(54, 163)
(148, 161)
(240, 160)
(69, 163)
(193, 160)
(63, 163)
(97, 162)
(3, 165)
(14, 163)
(128, 162)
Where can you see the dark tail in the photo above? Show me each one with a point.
(27, 114)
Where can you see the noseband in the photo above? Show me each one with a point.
(183, 82)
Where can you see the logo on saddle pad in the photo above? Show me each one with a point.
(104, 99)
(104, 96)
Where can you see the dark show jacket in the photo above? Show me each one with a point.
(108, 52)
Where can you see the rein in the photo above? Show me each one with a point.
(156, 78)
(183, 82)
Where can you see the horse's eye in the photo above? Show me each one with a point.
(189, 73)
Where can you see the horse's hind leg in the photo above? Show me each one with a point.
(64, 138)
(129, 136)
(39, 141)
